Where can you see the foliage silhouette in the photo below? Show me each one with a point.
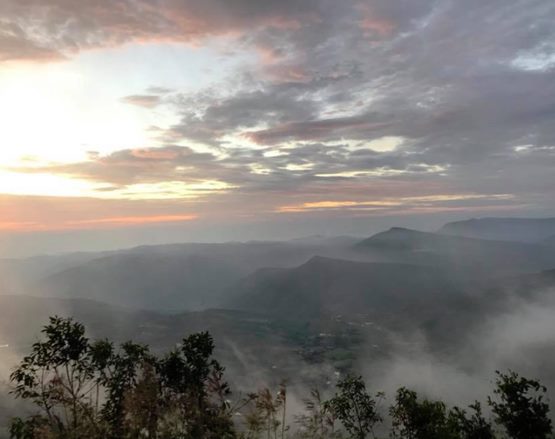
(354, 407)
(521, 407)
(86, 389)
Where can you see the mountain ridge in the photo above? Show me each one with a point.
(507, 229)
(471, 256)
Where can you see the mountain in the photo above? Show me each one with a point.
(504, 229)
(150, 281)
(18, 274)
(167, 277)
(385, 302)
(181, 277)
(527, 286)
(396, 294)
(461, 255)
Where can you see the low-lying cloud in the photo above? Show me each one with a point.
(521, 338)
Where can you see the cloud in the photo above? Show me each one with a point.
(17, 226)
(131, 220)
(147, 101)
(57, 28)
(305, 122)
(518, 336)
(93, 223)
(16, 45)
(444, 201)
(323, 129)
(64, 213)
(434, 76)
(133, 166)
(242, 168)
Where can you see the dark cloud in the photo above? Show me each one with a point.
(15, 44)
(322, 129)
(457, 80)
(63, 27)
(209, 117)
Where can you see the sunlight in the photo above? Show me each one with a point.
(43, 184)
(13, 183)
(51, 114)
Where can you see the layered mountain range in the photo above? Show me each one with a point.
(306, 303)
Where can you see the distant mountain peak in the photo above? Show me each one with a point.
(400, 229)
(397, 238)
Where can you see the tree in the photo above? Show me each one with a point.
(317, 422)
(415, 419)
(60, 378)
(521, 407)
(91, 390)
(263, 413)
(354, 407)
(474, 426)
(120, 374)
(193, 393)
(95, 390)
(141, 406)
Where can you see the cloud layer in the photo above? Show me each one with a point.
(349, 104)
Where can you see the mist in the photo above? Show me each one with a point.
(521, 339)
(431, 311)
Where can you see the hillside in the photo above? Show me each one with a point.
(468, 256)
(504, 229)
(398, 296)
(171, 277)
(527, 286)
(149, 281)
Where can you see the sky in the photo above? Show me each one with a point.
(141, 121)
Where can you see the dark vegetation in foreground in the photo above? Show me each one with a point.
(91, 389)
